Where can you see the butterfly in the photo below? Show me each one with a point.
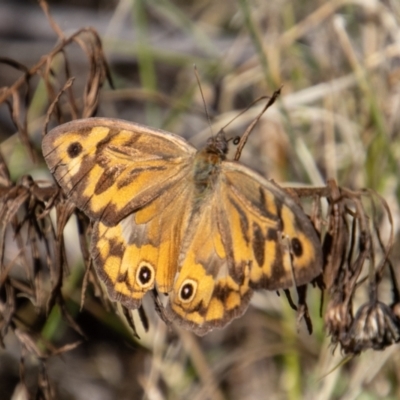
(189, 223)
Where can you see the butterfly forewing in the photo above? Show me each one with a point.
(270, 230)
(110, 167)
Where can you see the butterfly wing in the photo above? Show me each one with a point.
(249, 234)
(141, 251)
(209, 291)
(270, 229)
(110, 168)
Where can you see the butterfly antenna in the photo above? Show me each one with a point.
(202, 97)
(249, 129)
(245, 110)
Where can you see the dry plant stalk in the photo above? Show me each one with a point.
(38, 244)
(354, 254)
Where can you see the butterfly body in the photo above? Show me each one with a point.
(207, 164)
(202, 229)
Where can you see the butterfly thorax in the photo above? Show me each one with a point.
(207, 163)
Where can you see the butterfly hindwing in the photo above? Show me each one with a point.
(141, 251)
(208, 291)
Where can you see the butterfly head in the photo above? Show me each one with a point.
(218, 144)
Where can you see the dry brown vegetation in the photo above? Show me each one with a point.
(334, 128)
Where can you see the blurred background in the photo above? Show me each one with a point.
(338, 62)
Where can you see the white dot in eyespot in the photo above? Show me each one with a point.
(187, 290)
(145, 275)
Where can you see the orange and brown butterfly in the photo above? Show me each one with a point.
(189, 223)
